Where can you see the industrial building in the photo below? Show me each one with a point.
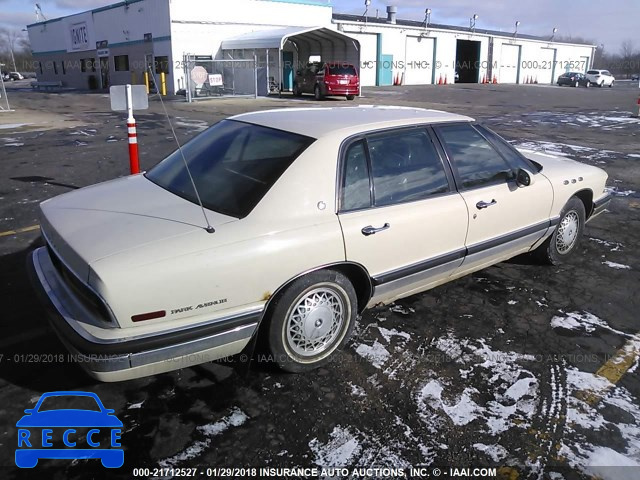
(254, 47)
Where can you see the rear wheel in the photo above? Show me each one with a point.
(317, 93)
(588, 84)
(350, 97)
(312, 318)
(296, 90)
(566, 237)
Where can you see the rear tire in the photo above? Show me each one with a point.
(312, 318)
(350, 97)
(566, 237)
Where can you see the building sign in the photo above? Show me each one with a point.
(103, 52)
(102, 44)
(79, 36)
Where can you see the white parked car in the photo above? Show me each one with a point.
(313, 214)
(601, 78)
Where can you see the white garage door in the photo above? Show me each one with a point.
(419, 61)
(368, 57)
(509, 67)
(545, 66)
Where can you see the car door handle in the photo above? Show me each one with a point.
(369, 230)
(482, 204)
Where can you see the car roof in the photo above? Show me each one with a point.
(320, 121)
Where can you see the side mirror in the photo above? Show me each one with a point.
(523, 178)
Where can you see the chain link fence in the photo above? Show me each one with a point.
(208, 78)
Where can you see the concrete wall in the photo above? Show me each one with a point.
(533, 59)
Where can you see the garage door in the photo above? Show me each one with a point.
(545, 66)
(419, 61)
(368, 57)
(509, 67)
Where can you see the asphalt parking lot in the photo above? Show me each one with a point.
(529, 369)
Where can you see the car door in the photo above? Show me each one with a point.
(504, 219)
(401, 217)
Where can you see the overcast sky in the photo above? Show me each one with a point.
(609, 22)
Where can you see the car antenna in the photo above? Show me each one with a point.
(208, 228)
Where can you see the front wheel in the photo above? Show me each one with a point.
(611, 84)
(588, 84)
(577, 84)
(350, 97)
(312, 318)
(566, 237)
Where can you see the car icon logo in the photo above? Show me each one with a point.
(92, 431)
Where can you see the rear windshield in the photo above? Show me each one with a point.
(593, 72)
(233, 164)
(341, 70)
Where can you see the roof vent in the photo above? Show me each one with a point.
(391, 14)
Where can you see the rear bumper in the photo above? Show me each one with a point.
(341, 89)
(600, 205)
(130, 357)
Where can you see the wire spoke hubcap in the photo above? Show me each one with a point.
(315, 322)
(567, 232)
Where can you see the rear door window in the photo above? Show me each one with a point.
(405, 167)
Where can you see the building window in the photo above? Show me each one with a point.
(87, 65)
(55, 67)
(121, 63)
(162, 65)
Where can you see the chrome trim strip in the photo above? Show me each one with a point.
(415, 268)
(75, 324)
(420, 277)
(509, 237)
(112, 363)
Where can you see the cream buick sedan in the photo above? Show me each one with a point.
(299, 220)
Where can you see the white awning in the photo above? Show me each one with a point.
(276, 38)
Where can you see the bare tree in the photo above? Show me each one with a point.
(10, 40)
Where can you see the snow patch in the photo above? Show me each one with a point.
(236, 418)
(617, 266)
(376, 353)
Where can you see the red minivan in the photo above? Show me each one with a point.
(327, 78)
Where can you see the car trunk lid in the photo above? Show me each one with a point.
(92, 223)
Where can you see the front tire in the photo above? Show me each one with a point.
(577, 84)
(317, 93)
(566, 237)
(311, 319)
(296, 90)
(350, 97)
(611, 84)
(588, 84)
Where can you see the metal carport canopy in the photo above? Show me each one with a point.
(276, 38)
